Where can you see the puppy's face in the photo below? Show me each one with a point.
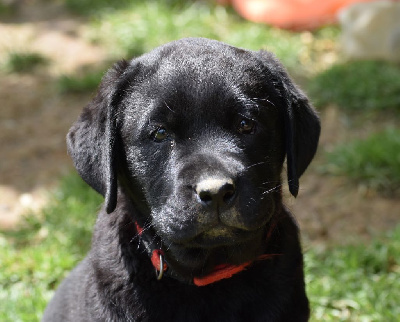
(199, 133)
(207, 152)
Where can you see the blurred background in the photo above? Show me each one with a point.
(345, 56)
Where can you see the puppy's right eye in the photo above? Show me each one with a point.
(246, 126)
(160, 134)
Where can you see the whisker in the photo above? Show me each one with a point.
(272, 189)
(268, 182)
(169, 107)
(169, 246)
(255, 164)
(147, 225)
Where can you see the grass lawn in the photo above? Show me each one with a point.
(37, 256)
(358, 86)
(144, 25)
(23, 62)
(374, 161)
(355, 283)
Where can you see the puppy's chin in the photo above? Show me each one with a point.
(199, 256)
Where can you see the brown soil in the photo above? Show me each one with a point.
(34, 115)
(34, 118)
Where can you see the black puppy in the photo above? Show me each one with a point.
(187, 144)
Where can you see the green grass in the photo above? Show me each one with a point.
(358, 86)
(89, 7)
(24, 62)
(37, 256)
(6, 9)
(80, 83)
(374, 162)
(93, 7)
(143, 25)
(354, 283)
(128, 29)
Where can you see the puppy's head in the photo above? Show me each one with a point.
(195, 134)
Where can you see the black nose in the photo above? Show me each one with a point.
(215, 192)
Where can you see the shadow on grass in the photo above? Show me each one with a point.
(358, 86)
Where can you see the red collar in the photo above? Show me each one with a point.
(220, 272)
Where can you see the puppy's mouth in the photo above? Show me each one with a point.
(218, 246)
(217, 237)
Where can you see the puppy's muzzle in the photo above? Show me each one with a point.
(215, 193)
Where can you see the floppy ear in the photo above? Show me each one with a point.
(92, 140)
(302, 125)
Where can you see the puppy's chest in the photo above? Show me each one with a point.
(208, 309)
(243, 301)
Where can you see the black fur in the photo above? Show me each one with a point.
(226, 114)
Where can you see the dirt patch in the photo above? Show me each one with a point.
(35, 117)
(335, 209)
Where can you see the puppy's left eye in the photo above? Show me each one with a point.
(160, 134)
(246, 126)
